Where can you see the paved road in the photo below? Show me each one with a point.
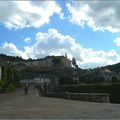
(17, 105)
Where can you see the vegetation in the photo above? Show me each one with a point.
(56, 60)
(115, 67)
(112, 88)
(10, 77)
(65, 80)
(4, 72)
(74, 62)
(11, 88)
(1, 83)
(11, 58)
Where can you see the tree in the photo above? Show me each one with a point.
(4, 78)
(76, 66)
(74, 62)
(4, 72)
(115, 79)
(10, 74)
(30, 59)
(56, 60)
(17, 76)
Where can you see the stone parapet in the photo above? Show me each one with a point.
(90, 97)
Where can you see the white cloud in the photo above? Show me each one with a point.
(54, 43)
(11, 49)
(21, 14)
(99, 15)
(117, 42)
(27, 40)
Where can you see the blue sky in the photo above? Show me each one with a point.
(89, 31)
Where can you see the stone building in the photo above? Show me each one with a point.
(48, 62)
(107, 75)
(45, 81)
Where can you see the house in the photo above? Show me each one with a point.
(45, 81)
(107, 75)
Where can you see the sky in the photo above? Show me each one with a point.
(89, 30)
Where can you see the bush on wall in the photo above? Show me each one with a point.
(113, 89)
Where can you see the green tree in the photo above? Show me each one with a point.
(17, 77)
(4, 72)
(56, 60)
(4, 79)
(10, 76)
(74, 62)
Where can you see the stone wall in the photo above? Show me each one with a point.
(93, 97)
(47, 62)
(90, 97)
(66, 62)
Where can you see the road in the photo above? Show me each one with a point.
(16, 105)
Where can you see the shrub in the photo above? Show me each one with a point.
(1, 83)
(18, 85)
(11, 88)
(112, 88)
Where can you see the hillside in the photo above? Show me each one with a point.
(2, 60)
(19, 62)
(115, 67)
(49, 63)
(10, 58)
(33, 67)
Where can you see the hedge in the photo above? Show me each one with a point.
(11, 88)
(1, 83)
(112, 88)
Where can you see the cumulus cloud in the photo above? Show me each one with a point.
(98, 15)
(21, 14)
(117, 42)
(92, 58)
(12, 50)
(27, 40)
(54, 43)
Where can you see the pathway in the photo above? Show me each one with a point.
(17, 105)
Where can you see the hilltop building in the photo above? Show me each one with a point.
(49, 70)
(51, 61)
